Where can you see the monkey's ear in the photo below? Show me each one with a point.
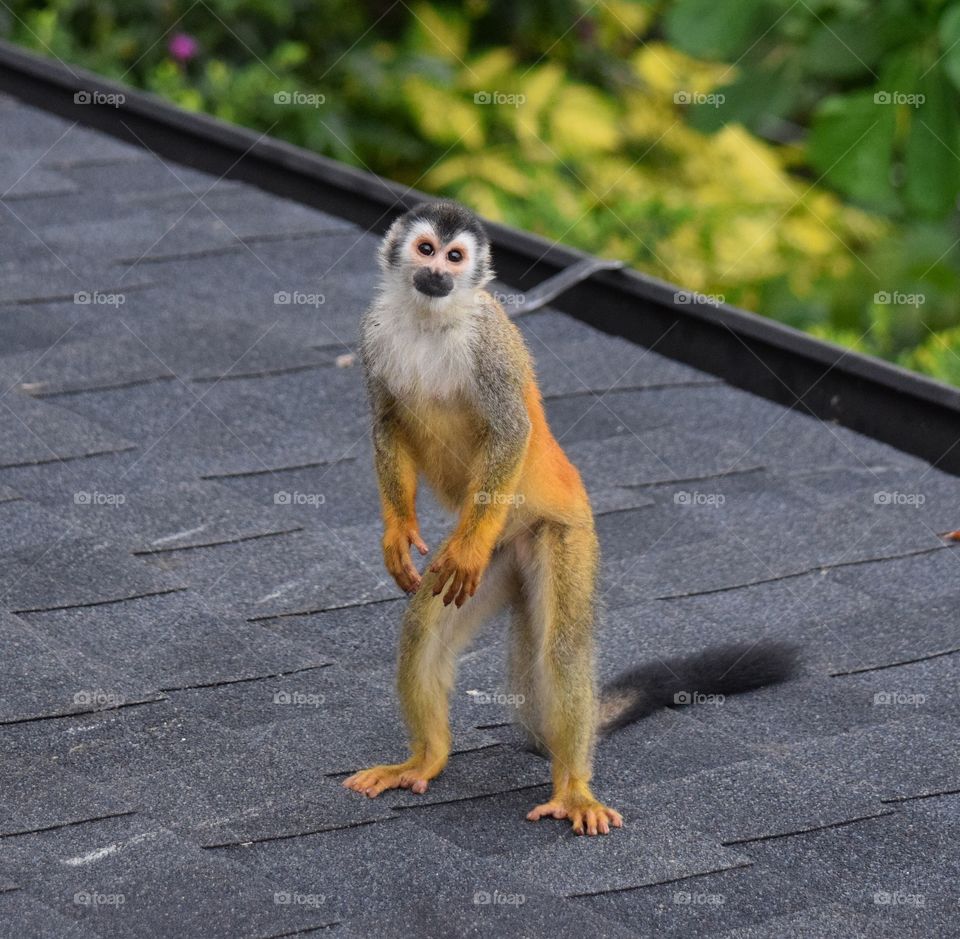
(484, 268)
(388, 256)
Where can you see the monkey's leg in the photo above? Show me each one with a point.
(560, 591)
(524, 649)
(522, 678)
(431, 638)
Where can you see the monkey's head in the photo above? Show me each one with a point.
(437, 254)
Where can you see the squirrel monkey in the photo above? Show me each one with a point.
(455, 401)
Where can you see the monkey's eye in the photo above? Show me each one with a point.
(455, 256)
(425, 248)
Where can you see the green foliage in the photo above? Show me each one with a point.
(939, 355)
(741, 148)
(878, 83)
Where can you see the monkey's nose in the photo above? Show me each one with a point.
(432, 283)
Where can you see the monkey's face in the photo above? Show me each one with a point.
(437, 256)
(438, 266)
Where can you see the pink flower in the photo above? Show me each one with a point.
(183, 47)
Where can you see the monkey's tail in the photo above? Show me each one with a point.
(709, 675)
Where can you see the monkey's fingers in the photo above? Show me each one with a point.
(418, 542)
(399, 576)
(402, 570)
(456, 586)
(470, 584)
(412, 575)
(444, 569)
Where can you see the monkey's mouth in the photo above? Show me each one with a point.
(432, 283)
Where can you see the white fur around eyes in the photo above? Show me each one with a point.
(420, 229)
(470, 243)
(465, 238)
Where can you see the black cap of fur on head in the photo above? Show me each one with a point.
(448, 219)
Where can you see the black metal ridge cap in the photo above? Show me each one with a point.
(909, 411)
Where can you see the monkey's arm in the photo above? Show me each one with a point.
(492, 489)
(397, 482)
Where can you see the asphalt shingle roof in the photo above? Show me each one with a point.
(198, 635)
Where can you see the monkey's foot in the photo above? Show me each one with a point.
(413, 775)
(586, 814)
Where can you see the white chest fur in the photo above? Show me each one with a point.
(421, 355)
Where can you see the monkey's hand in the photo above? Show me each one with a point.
(397, 542)
(463, 566)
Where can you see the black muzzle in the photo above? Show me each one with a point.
(432, 283)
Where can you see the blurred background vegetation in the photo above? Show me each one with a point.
(800, 158)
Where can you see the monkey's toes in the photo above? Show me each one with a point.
(414, 782)
(595, 821)
(551, 809)
(371, 782)
(590, 818)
